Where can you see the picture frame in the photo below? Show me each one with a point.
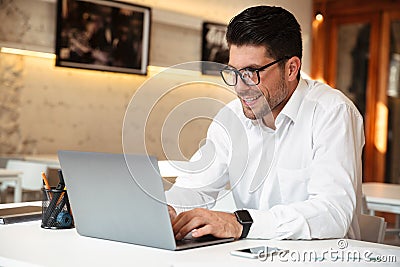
(103, 35)
(214, 47)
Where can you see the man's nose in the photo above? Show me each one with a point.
(241, 86)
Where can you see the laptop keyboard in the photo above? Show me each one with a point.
(190, 240)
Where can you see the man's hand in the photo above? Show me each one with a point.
(172, 213)
(204, 222)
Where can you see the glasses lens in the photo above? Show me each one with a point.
(229, 76)
(249, 77)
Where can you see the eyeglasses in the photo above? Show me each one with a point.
(250, 76)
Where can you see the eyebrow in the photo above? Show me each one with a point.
(253, 66)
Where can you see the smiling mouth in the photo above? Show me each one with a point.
(249, 101)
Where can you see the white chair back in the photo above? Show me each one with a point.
(31, 177)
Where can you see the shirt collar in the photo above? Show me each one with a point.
(291, 109)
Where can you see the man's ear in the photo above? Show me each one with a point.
(293, 68)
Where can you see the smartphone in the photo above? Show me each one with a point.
(255, 252)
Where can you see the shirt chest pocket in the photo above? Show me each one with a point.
(293, 184)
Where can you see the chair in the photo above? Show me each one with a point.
(364, 205)
(31, 179)
(372, 228)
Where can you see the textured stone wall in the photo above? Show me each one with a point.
(28, 24)
(11, 73)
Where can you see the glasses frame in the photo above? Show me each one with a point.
(256, 70)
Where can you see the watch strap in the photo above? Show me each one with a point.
(244, 218)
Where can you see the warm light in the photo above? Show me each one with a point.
(319, 17)
(173, 70)
(319, 78)
(155, 69)
(304, 75)
(23, 52)
(381, 127)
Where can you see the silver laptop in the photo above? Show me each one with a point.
(111, 201)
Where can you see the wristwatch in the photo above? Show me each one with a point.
(244, 218)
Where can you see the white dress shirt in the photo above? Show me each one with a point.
(299, 181)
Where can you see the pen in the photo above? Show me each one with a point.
(46, 186)
(46, 182)
(61, 185)
(61, 196)
(61, 176)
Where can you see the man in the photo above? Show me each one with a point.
(289, 148)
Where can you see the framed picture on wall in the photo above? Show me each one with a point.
(214, 47)
(103, 35)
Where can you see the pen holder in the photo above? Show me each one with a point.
(56, 211)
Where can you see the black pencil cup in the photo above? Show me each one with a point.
(56, 211)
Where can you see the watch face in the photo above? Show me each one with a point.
(244, 216)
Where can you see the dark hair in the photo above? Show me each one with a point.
(272, 27)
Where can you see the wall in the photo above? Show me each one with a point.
(44, 108)
(223, 10)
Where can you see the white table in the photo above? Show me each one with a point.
(26, 244)
(14, 176)
(383, 197)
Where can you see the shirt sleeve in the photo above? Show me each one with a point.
(333, 185)
(206, 175)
